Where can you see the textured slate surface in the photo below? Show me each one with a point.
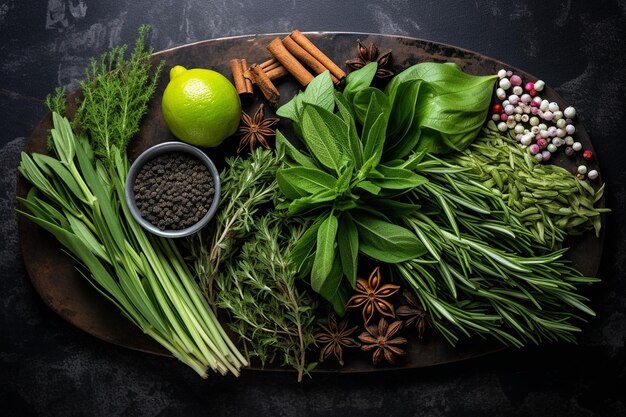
(48, 367)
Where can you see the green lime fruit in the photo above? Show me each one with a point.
(200, 106)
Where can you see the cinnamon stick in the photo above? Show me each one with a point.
(305, 57)
(265, 84)
(236, 69)
(277, 72)
(308, 46)
(291, 64)
(244, 68)
(269, 65)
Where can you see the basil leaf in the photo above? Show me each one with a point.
(348, 244)
(451, 106)
(320, 138)
(403, 129)
(386, 242)
(398, 178)
(324, 252)
(304, 181)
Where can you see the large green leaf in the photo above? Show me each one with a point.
(450, 109)
(348, 244)
(397, 178)
(359, 80)
(347, 114)
(324, 252)
(386, 242)
(301, 181)
(283, 146)
(375, 125)
(321, 139)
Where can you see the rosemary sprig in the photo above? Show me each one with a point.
(270, 314)
(247, 184)
(485, 272)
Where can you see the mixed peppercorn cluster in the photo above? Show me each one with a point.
(539, 125)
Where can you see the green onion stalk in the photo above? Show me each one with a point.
(80, 200)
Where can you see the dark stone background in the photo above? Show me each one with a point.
(48, 367)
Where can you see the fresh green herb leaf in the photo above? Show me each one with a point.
(324, 253)
(348, 245)
(386, 242)
(319, 138)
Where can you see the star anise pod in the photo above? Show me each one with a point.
(256, 129)
(381, 340)
(413, 314)
(370, 296)
(335, 336)
(371, 54)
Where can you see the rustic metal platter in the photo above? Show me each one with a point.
(63, 289)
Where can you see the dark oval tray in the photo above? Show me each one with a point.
(62, 288)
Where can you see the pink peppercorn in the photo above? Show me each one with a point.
(534, 149)
(534, 110)
(497, 108)
(546, 155)
(504, 116)
(516, 80)
(532, 92)
(542, 143)
(587, 154)
(569, 151)
(534, 104)
(529, 86)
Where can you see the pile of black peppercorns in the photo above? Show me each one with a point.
(173, 191)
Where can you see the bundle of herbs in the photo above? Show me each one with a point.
(78, 196)
(247, 270)
(370, 185)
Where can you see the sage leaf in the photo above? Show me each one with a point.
(348, 244)
(359, 80)
(283, 145)
(398, 178)
(386, 242)
(335, 290)
(320, 139)
(303, 181)
(320, 92)
(324, 252)
(375, 126)
(347, 114)
(312, 202)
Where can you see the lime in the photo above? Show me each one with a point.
(200, 106)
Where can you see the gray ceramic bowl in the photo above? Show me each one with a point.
(153, 152)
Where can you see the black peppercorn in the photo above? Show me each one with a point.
(173, 191)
